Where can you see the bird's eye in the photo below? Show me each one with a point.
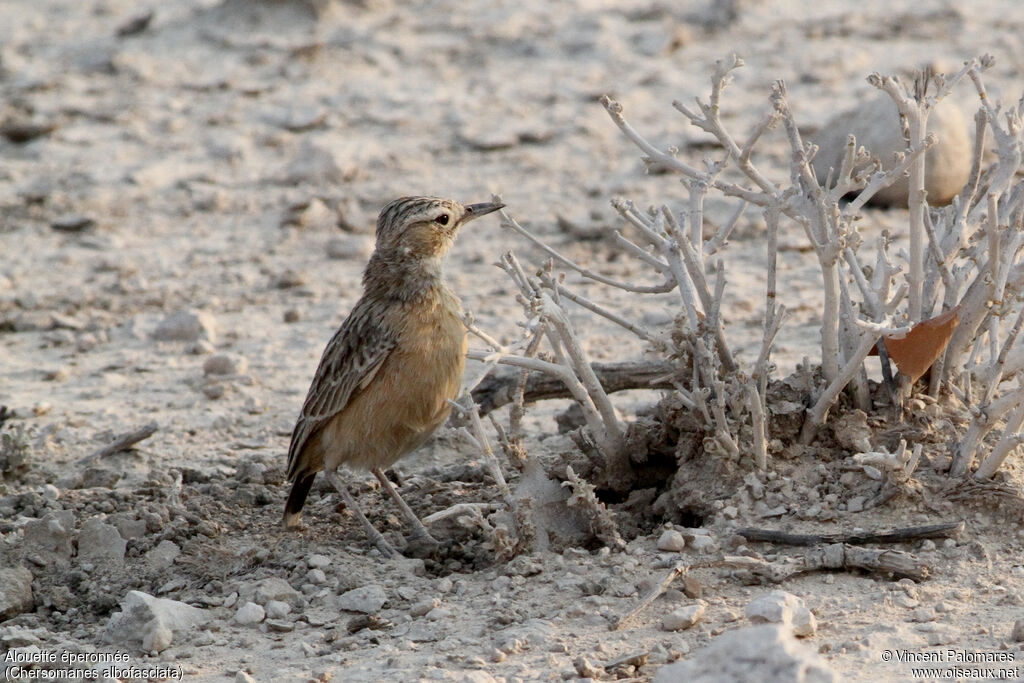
(442, 219)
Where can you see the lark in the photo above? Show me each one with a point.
(385, 378)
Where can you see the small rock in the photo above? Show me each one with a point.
(50, 537)
(188, 326)
(316, 577)
(767, 654)
(423, 607)
(671, 541)
(100, 543)
(684, 618)
(99, 477)
(250, 613)
(143, 615)
(277, 609)
(15, 592)
(50, 492)
(272, 588)
(365, 599)
(292, 316)
(280, 625)
(243, 677)
(318, 561)
(780, 607)
(225, 364)
(852, 431)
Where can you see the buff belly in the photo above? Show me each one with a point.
(406, 400)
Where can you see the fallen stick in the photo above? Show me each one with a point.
(946, 530)
(652, 595)
(840, 556)
(499, 387)
(834, 556)
(121, 443)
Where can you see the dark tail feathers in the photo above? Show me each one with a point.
(297, 498)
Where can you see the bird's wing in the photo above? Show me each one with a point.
(352, 357)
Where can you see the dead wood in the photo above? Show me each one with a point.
(946, 530)
(121, 443)
(499, 388)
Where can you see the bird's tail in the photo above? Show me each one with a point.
(297, 498)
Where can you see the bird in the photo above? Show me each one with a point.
(386, 376)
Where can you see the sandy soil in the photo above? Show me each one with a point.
(230, 158)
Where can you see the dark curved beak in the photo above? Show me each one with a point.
(474, 211)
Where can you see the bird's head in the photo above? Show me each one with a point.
(424, 227)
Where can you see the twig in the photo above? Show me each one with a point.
(757, 425)
(121, 443)
(822, 558)
(499, 388)
(652, 595)
(903, 535)
(508, 221)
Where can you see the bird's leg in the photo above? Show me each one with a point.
(378, 540)
(419, 531)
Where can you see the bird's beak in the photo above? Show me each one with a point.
(474, 211)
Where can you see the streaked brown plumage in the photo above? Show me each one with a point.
(386, 375)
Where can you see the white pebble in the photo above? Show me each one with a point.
(671, 541)
(780, 607)
(318, 561)
(684, 617)
(316, 577)
(365, 599)
(250, 613)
